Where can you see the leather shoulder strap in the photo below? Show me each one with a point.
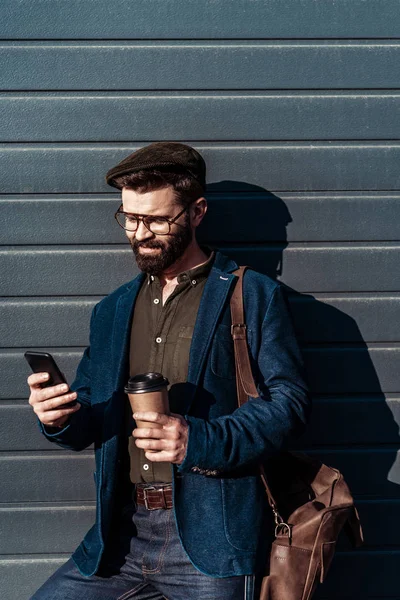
(244, 377)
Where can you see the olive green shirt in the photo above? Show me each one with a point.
(160, 341)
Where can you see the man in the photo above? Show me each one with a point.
(191, 519)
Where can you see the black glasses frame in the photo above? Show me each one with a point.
(146, 219)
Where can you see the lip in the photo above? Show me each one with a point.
(147, 249)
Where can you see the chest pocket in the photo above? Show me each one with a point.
(222, 353)
(180, 354)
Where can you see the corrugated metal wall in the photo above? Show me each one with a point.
(295, 107)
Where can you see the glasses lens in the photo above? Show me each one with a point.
(129, 223)
(158, 226)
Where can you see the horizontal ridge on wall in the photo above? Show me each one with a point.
(362, 369)
(231, 167)
(322, 318)
(62, 526)
(189, 19)
(77, 270)
(53, 476)
(246, 116)
(332, 423)
(199, 65)
(233, 217)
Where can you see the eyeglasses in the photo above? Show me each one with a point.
(155, 224)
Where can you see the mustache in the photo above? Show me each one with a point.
(136, 245)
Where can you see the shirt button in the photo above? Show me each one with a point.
(146, 467)
(194, 282)
(158, 340)
(156, 301)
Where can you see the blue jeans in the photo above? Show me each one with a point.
(144, 559)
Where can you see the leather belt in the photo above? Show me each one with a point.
(154, 498)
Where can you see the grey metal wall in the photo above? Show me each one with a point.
(295, 107)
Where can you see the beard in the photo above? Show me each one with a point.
(170, 250)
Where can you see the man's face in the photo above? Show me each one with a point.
(156, 253)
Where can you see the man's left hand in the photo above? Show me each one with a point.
(170, 438)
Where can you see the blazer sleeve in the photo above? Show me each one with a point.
(262, 426)
(81, 429)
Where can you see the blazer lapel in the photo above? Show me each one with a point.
(215, 293)
(121, 331)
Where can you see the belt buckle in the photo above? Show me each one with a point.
(145, 497)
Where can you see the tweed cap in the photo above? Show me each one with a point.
(164, 155)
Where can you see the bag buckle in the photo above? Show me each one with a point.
(243, 326)
(286, 528)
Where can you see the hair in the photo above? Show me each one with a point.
(186, 188)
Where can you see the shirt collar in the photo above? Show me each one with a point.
(197, 273)
(193, 275)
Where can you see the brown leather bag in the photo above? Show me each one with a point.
(311, 502)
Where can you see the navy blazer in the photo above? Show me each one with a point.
(220, 505)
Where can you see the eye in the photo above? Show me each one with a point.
(156, 220)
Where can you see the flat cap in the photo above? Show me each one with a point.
(161, 154)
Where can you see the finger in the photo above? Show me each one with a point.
(59, 423)
(156, 444)
(57, 402)
(54, 415)
(36, 380)
(51, 392)
(162, 456)
(153, 432)
(152, 417)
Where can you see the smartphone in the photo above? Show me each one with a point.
(43, 362)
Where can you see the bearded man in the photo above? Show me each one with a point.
(181, 510)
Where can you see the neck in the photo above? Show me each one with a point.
(191, 258)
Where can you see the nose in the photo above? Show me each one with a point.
(142, 233)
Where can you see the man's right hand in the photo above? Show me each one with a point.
(48, 402)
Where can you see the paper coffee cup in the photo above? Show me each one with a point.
(148, 391)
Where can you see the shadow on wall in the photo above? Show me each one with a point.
(352, 427)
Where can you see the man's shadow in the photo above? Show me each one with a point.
(350, 415)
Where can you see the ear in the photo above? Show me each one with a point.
(198, 211)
